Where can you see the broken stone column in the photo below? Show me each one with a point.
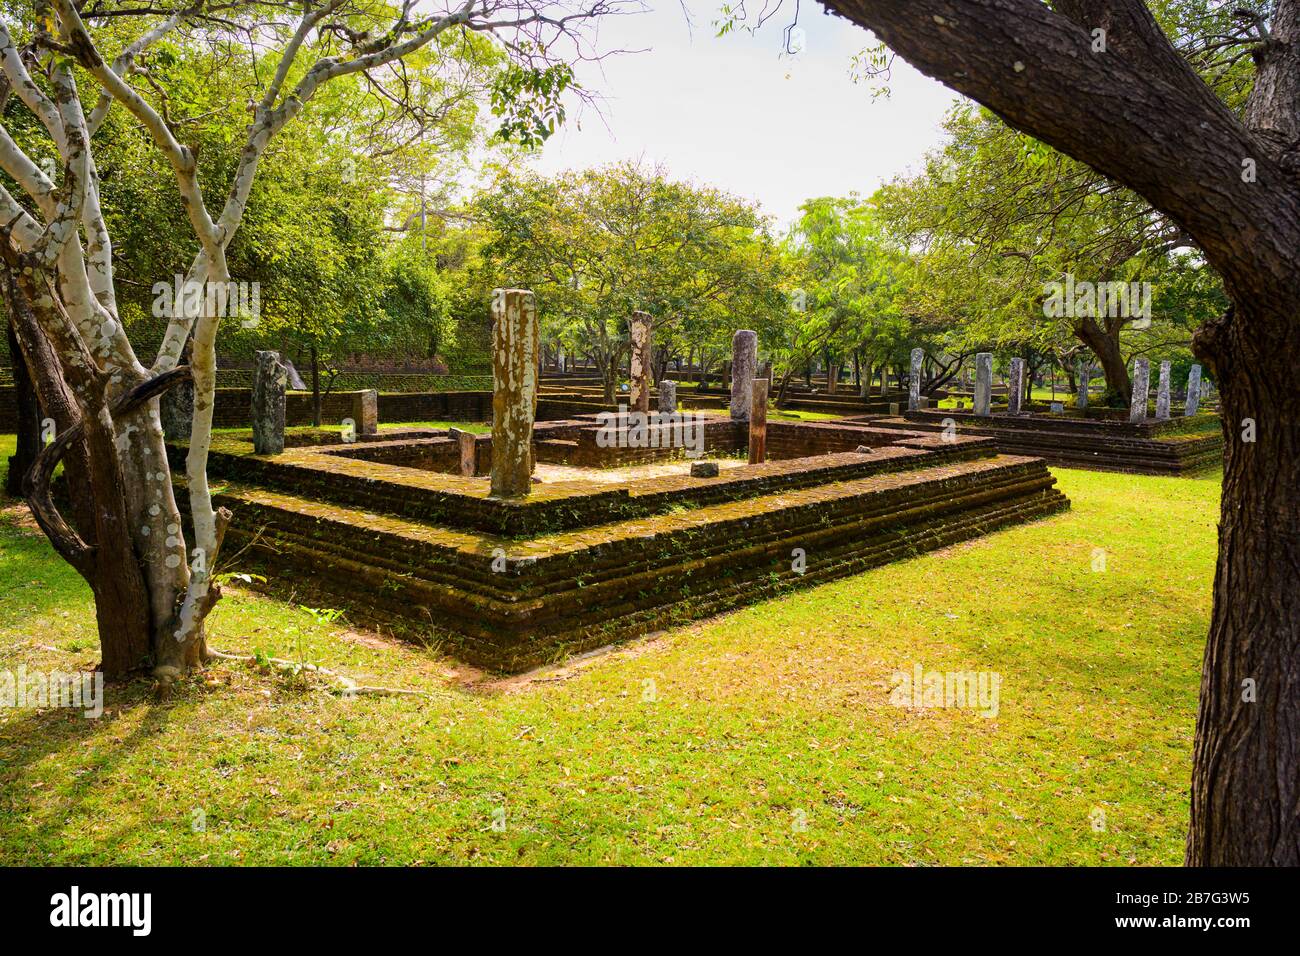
(1016, 387)
(466, 451)
(667, 397)
(983, 383)
(1083, 374)
(515, 346)
(270, 379)
(1162, 394)
(744, 361)
(1137, 409)
(639, 372)
(758, 422)
(365, 411)
(914, 380)
(1193, 391)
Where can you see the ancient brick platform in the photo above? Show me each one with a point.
(1176, 446)
(386, 526)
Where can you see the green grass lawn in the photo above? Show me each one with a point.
(763, 736)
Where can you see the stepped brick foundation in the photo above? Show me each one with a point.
(1100, 441)
(388, 525)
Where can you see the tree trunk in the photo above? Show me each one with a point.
(29, 420)
(1245, 790)
(101, 550)
(1106, 347)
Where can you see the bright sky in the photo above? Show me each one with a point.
(736, 113)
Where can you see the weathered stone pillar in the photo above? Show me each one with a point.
(864, 381)
(744, 360)
(466, 452)
(176, 409)
(365, 411)
(1137, 409)
(1162, 393)
(639, 371)
(832, 377)
(983, 383)
(758, 422)
(914, 380)
(1016, 387)
(667, 397)
(270, 379)
(1193, 391)
(1083, 373)
(515, 345)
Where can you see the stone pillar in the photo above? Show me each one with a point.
(744, 360)
(1162, 394)
(466, 452)
(270, 379)
(515, 345)
(561, 363)
(1193, 391)
(639, 370)
(1016, 387)
(1082, 375)
(832, 377)
(758, 422)
(667, 397)
(365, 411)
(1137, 409)
(914, 380)
(176, 409)
(983, 383)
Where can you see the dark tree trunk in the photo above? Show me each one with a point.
(1245, 785)
(1105, 345)
(29, 420)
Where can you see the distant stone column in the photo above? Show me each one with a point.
(1137, 409)
(1193, 391)
(515, 345)
(1083, 375)
(270, 380)
(983, 383)
(639, 372)
(1162, 393)
(832, 377)
(176, 409)
(744, 361)
(1016, 387)
(667, 397)
(758, 422)
(365, 411)
(466, 452)
(914, 380)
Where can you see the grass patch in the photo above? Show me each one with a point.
(707, 744)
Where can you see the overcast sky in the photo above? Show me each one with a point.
(736, 113)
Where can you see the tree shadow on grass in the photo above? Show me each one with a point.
(94, 752)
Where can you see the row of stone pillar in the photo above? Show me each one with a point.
(1016, 387)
